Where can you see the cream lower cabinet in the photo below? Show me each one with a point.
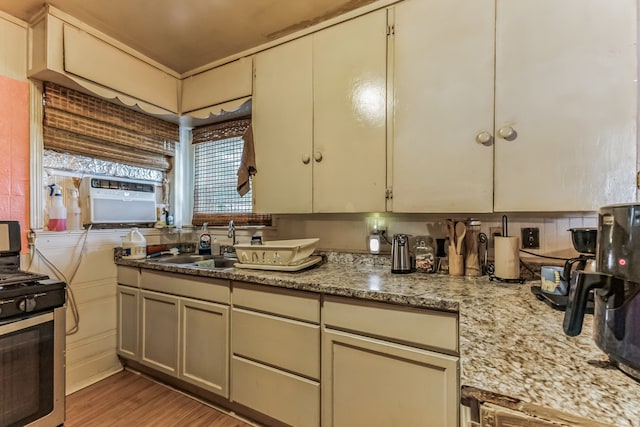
(184, 328)
(127, 303)
(376, 370)
(159, 326)
(275, 367)
(127, 300)
(204, 345)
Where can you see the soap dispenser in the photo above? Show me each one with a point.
(204, 241)
(74, 214)
(57, 211)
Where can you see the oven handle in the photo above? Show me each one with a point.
(26, 323)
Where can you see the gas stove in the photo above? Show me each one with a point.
(23, 293)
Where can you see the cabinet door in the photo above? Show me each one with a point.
(283, 128)
(369, 382)
(159, 332)
(281, 395)
(443, 55)
(217, 85)
(127, 303)
(566, 82)
(204, 345)
(349, 89)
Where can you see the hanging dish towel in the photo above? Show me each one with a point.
(247, 164)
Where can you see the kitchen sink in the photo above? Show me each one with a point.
(214, 262)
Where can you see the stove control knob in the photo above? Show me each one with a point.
(27, 305)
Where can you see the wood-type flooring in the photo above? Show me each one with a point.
(128, 399)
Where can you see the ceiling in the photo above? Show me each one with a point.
(187, 34)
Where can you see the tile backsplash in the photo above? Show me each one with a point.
(348, 232)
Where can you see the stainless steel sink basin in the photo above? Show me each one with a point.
(217, 262)
(214, 262)
(180, 259)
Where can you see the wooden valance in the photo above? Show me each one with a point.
(81, 124)
(218, 131)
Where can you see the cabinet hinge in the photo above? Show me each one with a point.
(388, 194)
(638, 180)
(391, 30)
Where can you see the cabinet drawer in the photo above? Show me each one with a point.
(287, 344)
(203, 288)
(129, 276)
(424, 328)
(283, 302)
(285, 397)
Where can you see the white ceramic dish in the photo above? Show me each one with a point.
(276, 252)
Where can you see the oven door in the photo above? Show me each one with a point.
(32, 370)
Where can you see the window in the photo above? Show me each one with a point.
(215, 177)
(217, 155)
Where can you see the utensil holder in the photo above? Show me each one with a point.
(456, 262)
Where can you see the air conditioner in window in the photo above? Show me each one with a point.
(106, 200)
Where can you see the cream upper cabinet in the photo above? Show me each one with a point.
(283, 128)
(71, 54)
(566, 83)
(319, 114)
(228, 82)
(442, 61)
(550, 127)
(349, 89)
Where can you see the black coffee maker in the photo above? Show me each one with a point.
(616, 286)
(584, 241)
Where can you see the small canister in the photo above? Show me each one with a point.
(425, 254)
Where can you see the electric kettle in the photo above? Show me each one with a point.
(403, 258)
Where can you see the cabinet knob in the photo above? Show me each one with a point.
(306, 159)
(317, 156)
(484, 138)
(508, 133)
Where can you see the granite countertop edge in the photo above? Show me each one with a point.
(511, 344)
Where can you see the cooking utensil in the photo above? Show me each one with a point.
(461, 230)
(449, 229)
(471, 255)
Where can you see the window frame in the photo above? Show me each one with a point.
(221, 219)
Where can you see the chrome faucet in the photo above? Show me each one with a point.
(232, 232)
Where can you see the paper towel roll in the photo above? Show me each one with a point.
(507, 257)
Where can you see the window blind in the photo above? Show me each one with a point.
(217, 155)
(77, 123)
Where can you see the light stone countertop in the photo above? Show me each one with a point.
(510, 343)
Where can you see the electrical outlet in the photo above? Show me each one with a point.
(530, 238)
